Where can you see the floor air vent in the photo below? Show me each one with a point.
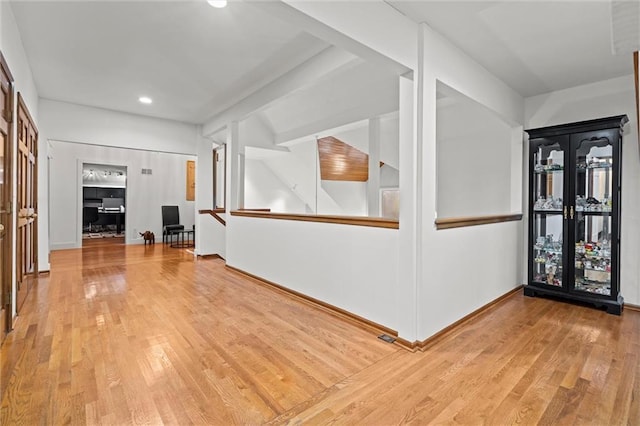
(386, 338)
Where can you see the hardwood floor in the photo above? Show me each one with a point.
(93, 242)
(133, 334)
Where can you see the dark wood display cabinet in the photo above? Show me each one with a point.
(574, 212)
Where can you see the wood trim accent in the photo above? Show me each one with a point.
(22, 104)
(636, 73)
(340, 161)
(26, 207)
(5, 66)
(375, 222)
(210, 256)
(7, 217)
(632, 307)
(254, 210)
(327, 307)
(459, 222)
(191, 180)
(430, 341)
(214, 213)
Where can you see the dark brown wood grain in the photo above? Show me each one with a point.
(6, 197)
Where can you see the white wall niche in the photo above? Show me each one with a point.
(475, 149)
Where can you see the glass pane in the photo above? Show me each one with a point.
(547, 249)
(593, 216)
(548, 206)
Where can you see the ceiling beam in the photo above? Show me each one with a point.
(320, 66)
(387, 38)
(326, 125)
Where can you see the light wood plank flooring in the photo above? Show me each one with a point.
(134, 334)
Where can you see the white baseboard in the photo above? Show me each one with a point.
(65, 246)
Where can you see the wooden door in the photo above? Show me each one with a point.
(6, 119)
(27, 203)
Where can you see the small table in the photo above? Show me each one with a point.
(181, 241)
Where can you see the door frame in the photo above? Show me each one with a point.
(19, 256)
(79, 165)
(6, 281)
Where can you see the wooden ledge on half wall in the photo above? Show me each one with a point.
(459, 222)
(376, 222)
(214, 213)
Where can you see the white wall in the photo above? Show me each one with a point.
(358, 137)
(66, 122)
(344, 198)
(210, 234)
(13, 52)
(352, 267)
(263, 189)
(298, 169)
(460, 269)
(145, 193)
(474, 160)
(77, 123)
(604, 99)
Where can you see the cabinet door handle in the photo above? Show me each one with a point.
(571, 212)
(565, 212)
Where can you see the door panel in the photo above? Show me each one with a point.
(595, 201)
(27, 209)
(6, 113)
(548, 212)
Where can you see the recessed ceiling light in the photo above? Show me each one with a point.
(218, 3)
(145, 100)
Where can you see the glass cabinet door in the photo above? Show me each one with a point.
(593, 220)
(548, 212)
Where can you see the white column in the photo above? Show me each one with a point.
(241, 158)
(409, 237)
(233, 176)
(373, 183)
(204, 187)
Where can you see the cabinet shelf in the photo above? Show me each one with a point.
(574, 251)
(544, 172)
(594, 213)
(584, 169)
(550, 211)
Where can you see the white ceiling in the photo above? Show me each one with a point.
(191, 59)
(533, 46)
(195, 61)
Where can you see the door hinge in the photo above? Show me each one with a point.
(7, 300)
(9, 207)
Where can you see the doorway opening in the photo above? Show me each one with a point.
(104, 190)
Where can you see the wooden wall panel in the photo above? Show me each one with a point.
(191, 180)
(340, 161)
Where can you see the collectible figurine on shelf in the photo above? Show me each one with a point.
(551, 273)
(548, 204)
